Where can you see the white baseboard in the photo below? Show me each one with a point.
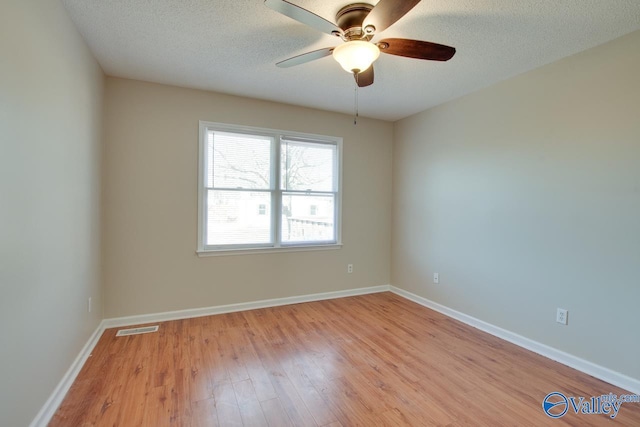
(54, 401)
(51, 406)
(605, 374)
(600, 372)
(220, 309)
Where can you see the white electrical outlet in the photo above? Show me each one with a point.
(349, 268)
(436, 278)
(89, 303)
(562, 316)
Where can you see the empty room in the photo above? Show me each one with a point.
(319, 213)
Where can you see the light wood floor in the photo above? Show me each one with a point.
(367, 360)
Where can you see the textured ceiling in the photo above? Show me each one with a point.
(231, 46)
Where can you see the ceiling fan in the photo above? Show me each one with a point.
(356, 24)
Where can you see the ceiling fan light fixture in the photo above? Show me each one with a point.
(356, 56)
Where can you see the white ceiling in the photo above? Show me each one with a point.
(231, 46)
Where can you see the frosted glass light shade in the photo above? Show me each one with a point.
(356, 56)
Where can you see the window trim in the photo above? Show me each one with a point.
(278, 246)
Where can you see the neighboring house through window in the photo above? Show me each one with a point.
(267, 189)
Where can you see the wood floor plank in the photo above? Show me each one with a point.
(370, 360)
(253, 365)
(227, 404)
(296, 368)
(158, 410)
(275, 413)
(216, 370)
(204, 413)
(252, 414)
(348, 404)
(229, 415)
(289, 398)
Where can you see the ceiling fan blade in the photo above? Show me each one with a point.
(304, 16)
(305, 57)
(416, 49)
(365, 78)
(386, 12)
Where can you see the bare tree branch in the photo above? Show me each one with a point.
(264, 180)
(294, 166)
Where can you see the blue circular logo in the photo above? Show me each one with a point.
(555, 404)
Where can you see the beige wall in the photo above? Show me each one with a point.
(525, 197)
(150, 204)
(50, 114)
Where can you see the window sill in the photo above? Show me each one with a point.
(228, 252)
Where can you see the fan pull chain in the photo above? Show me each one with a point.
(355, 118)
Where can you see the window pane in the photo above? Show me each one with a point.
(238, 161)
(209, 161)
(307, 166)
(299, 225)
(233, 218)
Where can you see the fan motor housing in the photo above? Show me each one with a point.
(350, 19)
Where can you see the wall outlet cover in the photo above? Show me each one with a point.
(562, 316)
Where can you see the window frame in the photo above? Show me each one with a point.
(276, 191)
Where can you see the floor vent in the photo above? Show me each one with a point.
(137, 331)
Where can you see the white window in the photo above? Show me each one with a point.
(267, 189)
